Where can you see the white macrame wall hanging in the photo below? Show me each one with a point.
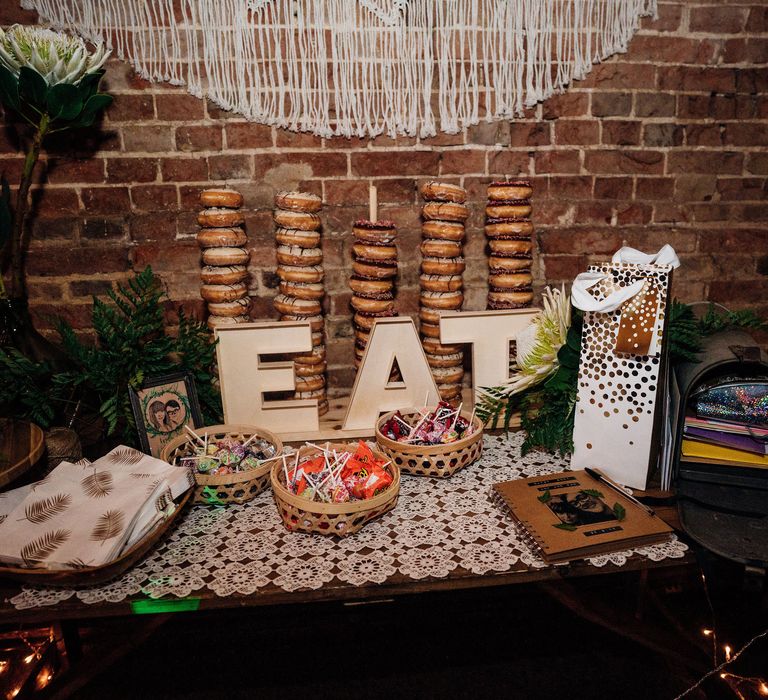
(359, 67)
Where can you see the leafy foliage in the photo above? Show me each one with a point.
(132, 345)
(683, 334)
(619, 511)
(715, 322)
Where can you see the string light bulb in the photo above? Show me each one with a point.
(706, 632)
(727, 653)
(3, 666)
(763, 688)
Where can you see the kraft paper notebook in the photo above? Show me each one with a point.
(571, 515)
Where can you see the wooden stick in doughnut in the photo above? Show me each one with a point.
(510, 237)
(300, 270)
(224, 274)
(442, 265)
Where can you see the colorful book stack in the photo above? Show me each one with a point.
(442, 285)
(715, 442)
(224, 273)
(299, 258)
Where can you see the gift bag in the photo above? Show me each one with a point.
(623, 363)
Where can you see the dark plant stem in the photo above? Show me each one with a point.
(18, 286)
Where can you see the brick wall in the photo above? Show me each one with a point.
(666, 143)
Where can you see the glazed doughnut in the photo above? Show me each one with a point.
(430, 330)
(290, 306)
(214, 237)
(302, 370)
(510, 189)
(292, 236)
(300, 257)
(442, 266)
(302, 290)
(370, 288)
(498, 264)
(368, 252)
(445, 211)
(316, 356)
(506, 247)
(221, 197)
(373, 306)
(448, 375)
(442, 300)
(444, 230)
(449, 392)
(316, 323)
(510, 280)
(223, 292)
(365, 322)
(380, 232)
(454, 360)
(372, 271)
(509, 299)
(219, 257)
(296, 219)
(219, 321)
(228, 274)
(435, 347)
(439, 283)
(298, 201)
(238, 307)
(434, 248)
(309, 274)
(443, 192)
(216, 217)
(313, 394)
(309, 383)
(510, 209)
(317, 338)
(508, 228)
(428, 315)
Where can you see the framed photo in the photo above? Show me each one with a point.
(162, 407)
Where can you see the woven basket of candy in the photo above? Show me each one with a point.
(430, 442)
(231, 463)
(334, 489)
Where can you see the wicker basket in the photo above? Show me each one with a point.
(222, 489)
(431, 460)
(339, 519)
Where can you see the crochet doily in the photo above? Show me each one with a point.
(438, 526)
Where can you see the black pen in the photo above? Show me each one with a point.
(595, 474)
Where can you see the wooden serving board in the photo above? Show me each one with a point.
(21, 445)
(331, 422)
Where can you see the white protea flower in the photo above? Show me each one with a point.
(59, 58)
(538, 344)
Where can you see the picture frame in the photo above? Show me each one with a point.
(162, 407)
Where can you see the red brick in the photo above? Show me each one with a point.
(654, 104)
(462, 161)
(663, 135)
(77, 315)
(618, 75)
(530, 134)
(164, 257)
(621, 133)
(102, 230)
(131, 170)
(753, 134)
(395, 191)
(576, 131)
(248, 135)
(695, 188)
(633, 213)
(158, 226)
(734, 51)
(148, 138)
(567, 104)
(154, 197)
(704, 134)
(613, 188)
(757, 163)
(130, 107)
(625, 161)
(574, 187)
(611, 104)
(314, 164)
(654, 188)
(563, 267)
(51, 262)
(106, 200)
(733, 240)
(508, 163)
(594, 213)
(557, 162)
(758, 20)
(230, 167)
(701, 162)
(714, 19)
(178, 107)
(698, 79)
(490, 133)
(184, 169)
(198, 138)
(395, 163)
(757, 51)
(49, 229)
(729, 291)
(443, 139)
(735, 188)
(88, 288)
(66, 171)
(346, 192)
(293, 139)
(668, 19)
(589, 241)
(672, 49)
(707, 106)
(50, 201)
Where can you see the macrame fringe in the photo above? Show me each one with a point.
(360, 67)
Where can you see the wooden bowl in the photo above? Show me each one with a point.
(431, 460)
(221, 489)
(338, 519)
(21, 445)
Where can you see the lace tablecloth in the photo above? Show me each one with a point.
(438, 526)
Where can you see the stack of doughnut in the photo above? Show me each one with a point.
(509, 230)
(374, 268)
(442, 265)
(299, 259)
(224, 273)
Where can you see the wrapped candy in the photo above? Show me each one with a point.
(440, 426)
